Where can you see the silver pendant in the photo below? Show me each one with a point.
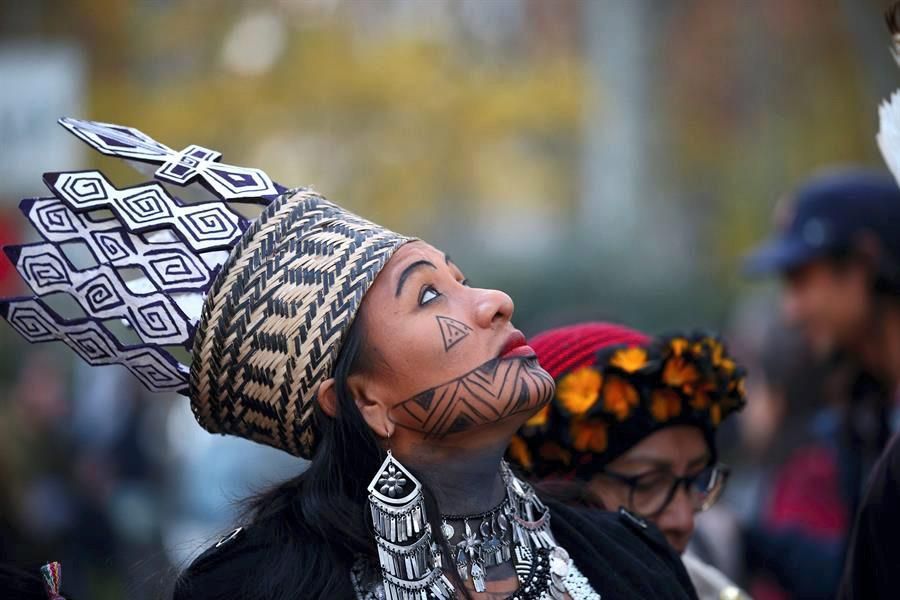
(478, 576)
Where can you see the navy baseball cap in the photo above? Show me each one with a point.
(826, 214)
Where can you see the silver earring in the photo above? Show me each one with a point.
(408, 556)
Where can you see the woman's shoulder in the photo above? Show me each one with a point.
(257, 562)
(623, 554)
(221, 570)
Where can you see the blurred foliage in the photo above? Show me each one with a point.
(464, 122)
(425, 127)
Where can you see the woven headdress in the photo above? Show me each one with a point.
(262, 306)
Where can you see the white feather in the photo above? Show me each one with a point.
(888, 137)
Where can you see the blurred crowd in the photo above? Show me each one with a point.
(124, 488)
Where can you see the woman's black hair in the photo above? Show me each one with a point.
(306, 533)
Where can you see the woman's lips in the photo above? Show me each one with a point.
(516, 347)
(520, 352)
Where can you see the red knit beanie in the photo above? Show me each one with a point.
(567, 348)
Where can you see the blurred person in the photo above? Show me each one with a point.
(362, 351)
(794, 510)
(871, 569)
(632, 427)
(837, 251)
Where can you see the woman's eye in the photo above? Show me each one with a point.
(652, 481)
(428, 294)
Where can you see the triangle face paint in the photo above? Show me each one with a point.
(452, 331)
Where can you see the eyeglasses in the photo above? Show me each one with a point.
(650, 493)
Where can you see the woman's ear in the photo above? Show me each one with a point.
(371, 405)
(327, 397)
(375, 412)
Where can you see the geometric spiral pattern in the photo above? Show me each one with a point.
(102, 294)
(36, 322)
(276, 316)
(194, 163)
(178, 247)
(149, 207)
(170, 266)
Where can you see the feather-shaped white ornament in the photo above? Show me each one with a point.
(888, 137)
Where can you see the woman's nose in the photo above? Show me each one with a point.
(492, 307)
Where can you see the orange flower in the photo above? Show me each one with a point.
(700, 400)
(578, 391)
(665, 404)
(715, 414)
(589, 436)
(629, 359)
(678, 345)
(539, 418)
(679, 373)
(619, 397)
(552, 451)
(518, 451)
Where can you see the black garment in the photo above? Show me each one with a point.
(621, 555)
(872, 571)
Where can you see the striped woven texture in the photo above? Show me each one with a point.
(276, 316)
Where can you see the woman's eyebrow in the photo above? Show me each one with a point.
(409, 271)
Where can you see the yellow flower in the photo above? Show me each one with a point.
(578, 391)
(717, 351)
(679, 373)
(518, 452)
(629, 359)
(727, 366)
(539, 418)
(589, 436)
(619, 397)
(665, 404)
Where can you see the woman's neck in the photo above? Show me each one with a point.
(464, 481)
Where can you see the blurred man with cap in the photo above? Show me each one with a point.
(837, 251)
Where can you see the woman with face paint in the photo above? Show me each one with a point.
(367, 353)
(632, 427)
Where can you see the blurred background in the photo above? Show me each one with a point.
(597, 159)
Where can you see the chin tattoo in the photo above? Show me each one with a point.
(489, 393)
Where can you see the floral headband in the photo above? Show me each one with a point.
(625, 394)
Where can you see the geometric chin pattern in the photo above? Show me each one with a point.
(177, 247)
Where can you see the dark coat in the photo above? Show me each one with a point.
(621, 555)
(872, 569)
